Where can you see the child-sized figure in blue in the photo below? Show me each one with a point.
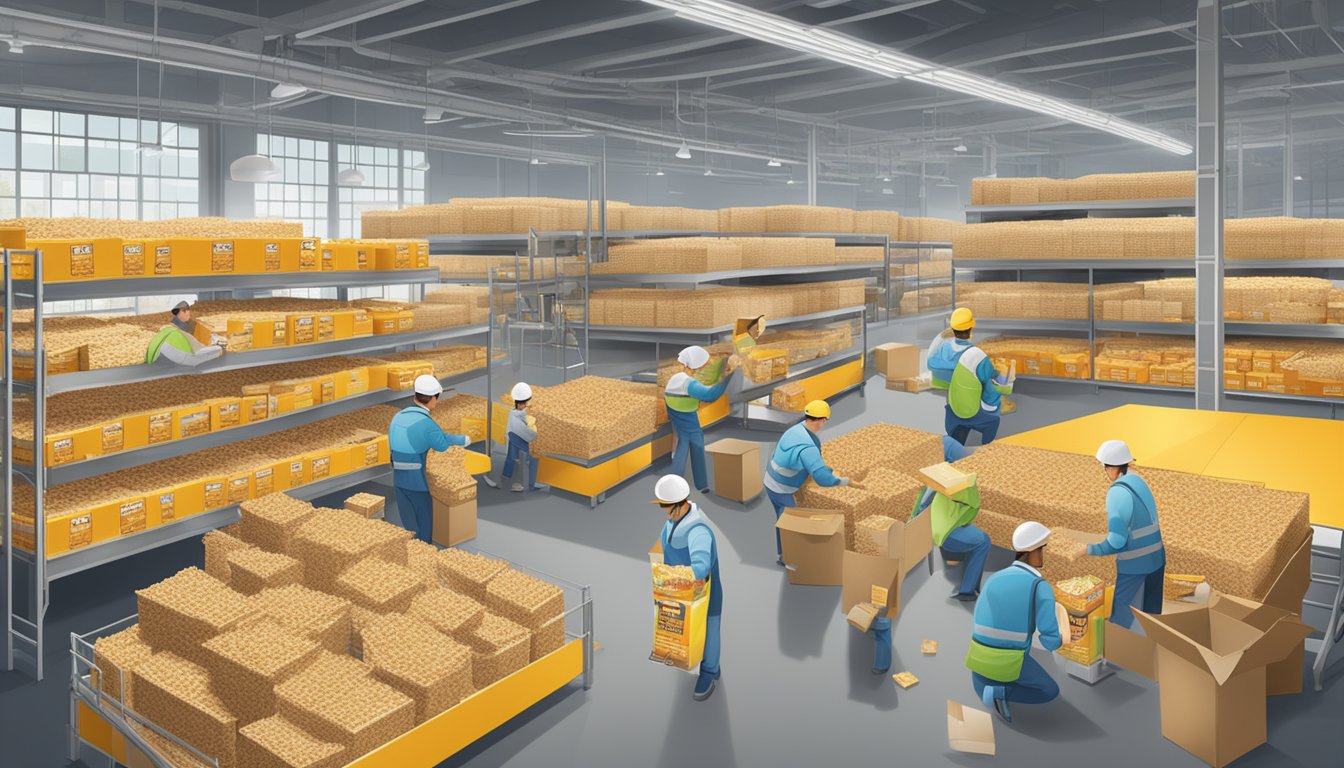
(687, 539)
(521, 431)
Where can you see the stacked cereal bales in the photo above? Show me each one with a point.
(218, 544)
(271, 521)
(447, 611)
(448, 478)
(277, 743)
(332, 540)
(176, 695)
(882, 445)
(671, 255)
(500, 648)
(170, 751)
(468, 572)
(885, 492)
(592, 415)
(379, 586)
(251, 570)
(246, 664)
(878, 223)
(422, 663)
(115, 658)
(422, 558)
(869, 531)
(760, 252)
(532, 603)
(1239, 536)
(183, 611)
(1168, 185)
(366, 504)
(337, 700)
(310, 614)
(808, 218)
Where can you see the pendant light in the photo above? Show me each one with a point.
(352, 176)
(254, 168)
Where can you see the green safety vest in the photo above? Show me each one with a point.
(711, 373)
(964, 392)
(677, 396)
(951, 513)
(170, 335)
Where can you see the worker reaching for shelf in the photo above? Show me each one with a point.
(684, 393)
(177, 342)
(521, 430)
(1017, 603)
(797, 457)
(974, 388)
(688, 540)
(1133, 535)
(410, 437)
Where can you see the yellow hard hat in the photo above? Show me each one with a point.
(962, 319)
(818, 409)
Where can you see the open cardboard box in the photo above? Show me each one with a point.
(910, 542)
(871, 579)
(813, 541)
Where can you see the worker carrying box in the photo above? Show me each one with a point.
(177, 342)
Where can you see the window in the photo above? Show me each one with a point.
(76, 164)
(381, 168)
(301, 193)
(412, 181)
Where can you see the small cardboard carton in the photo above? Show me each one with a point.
(969, 729)
(454, 523)
(910, 542)
(737, 468)
(1211, 673)
(946, 479)
(813, 541)
(871, 579)
(897, 361)
(861, 616)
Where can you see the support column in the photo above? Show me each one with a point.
(1209, 205)
(1289, 199)
(812, 165)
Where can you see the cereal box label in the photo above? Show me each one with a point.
(272, 257)
(81, 531)
(215, 496)
(132, 517)
(265, 481)
(238, 489)
(371, 454)
(81, 260)
(321, 467)
(295, 473)
(194, 424)
(326, 327)
(62, 450)
(328, 260)
(163, 260)
(362, 258)
(221, 257)
(307, 245)
(328, 391)
(260, 409)
(113, 437)
(166, 511)
(228, 415)
(303, 330)
(278, 336)
(160, 427)
(133, 260)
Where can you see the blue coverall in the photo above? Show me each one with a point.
(965, 539)
(690, 541)
(942, 364)
(410, 437)
(797, 457)
(683, 396)
(1135, 538)
(520, 446)
(1013, 600)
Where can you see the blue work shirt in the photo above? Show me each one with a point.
(410, 437)
(1003, 613)
(797, 457)
(944, 362)
(1132, 531)
(690, 541)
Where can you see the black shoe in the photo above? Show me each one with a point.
(1001, 709)
(966, 597)
(877, 671)
(780, 562)
(704, 491)
(704, 686)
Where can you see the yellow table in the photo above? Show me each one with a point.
(1281, 452)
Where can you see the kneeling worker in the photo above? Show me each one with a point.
(1016, 603)
(411, 436)
(797, 457)
(176, 343)
(954, 534)
(1133, 536)
(688, 540)
(974, 388)
(684, 394)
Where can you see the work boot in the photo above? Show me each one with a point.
(490, 481)
(965, 597)
(995, 697)
(517, 488)
(705, 685)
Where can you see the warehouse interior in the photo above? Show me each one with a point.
(671, 257)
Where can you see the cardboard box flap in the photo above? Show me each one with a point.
(1290, 586)
(1282, 631)
(946, 479)
(969, 729)
(732, 446)
(1131, 651)
(917, 541)
(810, 522)
(1219, 640)
(870, 579)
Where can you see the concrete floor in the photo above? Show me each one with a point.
(796, 691)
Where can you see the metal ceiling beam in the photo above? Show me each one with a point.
(436, 20)
(334, 14)
(554, 34)
(1131, 35)
(200, 9)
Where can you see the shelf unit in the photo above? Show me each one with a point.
(24, 636)
(983, 214)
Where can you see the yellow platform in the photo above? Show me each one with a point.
(1282, 452)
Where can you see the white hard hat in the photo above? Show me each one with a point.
(521, 391)
(1030, 535)
(1114, 453)
(427, 385)
(671, 489)
(693, 357)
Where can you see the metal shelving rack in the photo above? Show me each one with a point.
(24, 637)
(896, 288)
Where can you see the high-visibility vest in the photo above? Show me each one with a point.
(965, 393)
(169, 334)
(678, 396)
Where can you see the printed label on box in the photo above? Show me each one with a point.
(328, 260)
(81, 531)
(63, 450)
(166, 511)
(238, 489)
(163, 260)
(215, 496)
(295, 473)
(228, 415)
(265, 481)
(278, 334)
(328, 391)
(877, 595)
(358, 384)
(326, 327)
(303, 330)
(272, 257)
(221, 257)
(260, 409)
(321, 467)
(371, 454)
(132, 260)
(132, 517)
(362, 258)
(303, 395)
(307, 255)
(113, 437)
(81, 260)
(404, 324)
(403, 259)
(160, 427)
(194, 424)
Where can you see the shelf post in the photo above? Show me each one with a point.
(1209, 266)
(7, 545)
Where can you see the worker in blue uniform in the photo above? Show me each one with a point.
(1017, 603)
(687, 539)
(954, 533)
(411, 436)
(974, 388)
(1133, 535)
(797, 457)
(684, 394)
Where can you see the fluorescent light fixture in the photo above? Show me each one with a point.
(959, 148)
(844, 49)
(423, 165)
(150, 150)
(709, 171)
(287, 91)
(1297, 178)
(537, 161)
(15, 45)
(886, 179)
(659, 172)
(774, 163)
(684, 151)
(790, 181)
(551, 134)
(350, 177)
(253, 168)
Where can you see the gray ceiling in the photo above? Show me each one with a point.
(633, 71)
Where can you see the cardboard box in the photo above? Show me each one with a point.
(454, 523)
(813, 541)
(897, 361)
(861, 616)
(1211, 673)
(969, 729)
(870, 579)
(1287, 593)
(910, 543)
(737, 468)
(946, 479)
(1130, 650)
